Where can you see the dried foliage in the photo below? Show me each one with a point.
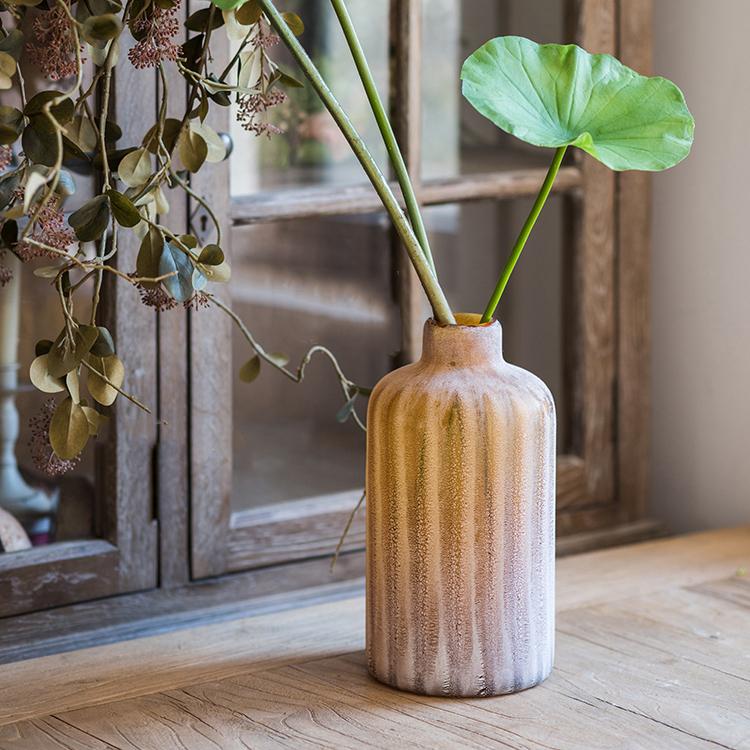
(65, 128)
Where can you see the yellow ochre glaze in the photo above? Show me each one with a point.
(460, 519)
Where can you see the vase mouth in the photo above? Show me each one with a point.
(467, 342)
(465, 320)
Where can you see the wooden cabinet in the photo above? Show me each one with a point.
(241, 492)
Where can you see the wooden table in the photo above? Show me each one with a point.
(653, 651)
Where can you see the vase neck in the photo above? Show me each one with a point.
(462, 345)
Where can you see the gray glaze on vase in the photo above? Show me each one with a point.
(460, 520)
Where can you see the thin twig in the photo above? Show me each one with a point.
(348, 387)
(344, 533)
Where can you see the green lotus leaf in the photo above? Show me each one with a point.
(556, 95)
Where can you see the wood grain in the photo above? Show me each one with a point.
(664, 581)
(294, 530)
(125, 486)
(211, 373)
(406, 115)
(593, 358)
(172, 471)
(299, 203)
(634, 299)
(655, 670)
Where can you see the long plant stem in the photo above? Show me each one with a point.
(384, 125)
(435, 294)
(536, 209)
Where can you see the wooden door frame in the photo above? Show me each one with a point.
(602, 480)
(124, 557)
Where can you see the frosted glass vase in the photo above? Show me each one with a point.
(461, 519)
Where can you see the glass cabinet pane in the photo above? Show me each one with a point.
(471, 243)
(299, 283)
(455, 138)
(58, 496)
(311, 149)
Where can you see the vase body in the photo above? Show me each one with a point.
(460, 520)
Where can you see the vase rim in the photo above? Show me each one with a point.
(465, 321)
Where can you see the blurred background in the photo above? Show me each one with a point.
(700, 268)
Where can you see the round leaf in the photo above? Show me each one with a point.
(104, 346)
(219, 274)
(41, 379)
(123, 209)
(192, 149)
(216, 151)
(211, 255)
(73, 385)
(249, 13)
(135, 168)
(102, 28)
(95, 420)
(64, 356)
(149, 255)
(69, 430)
(11, 124)
(174, 261)
(294, 22)
(250, 370)
(556, 95)
(90, 221)
(113, 370)
(280, 360)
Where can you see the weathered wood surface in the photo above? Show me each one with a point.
(634, 299)
(652, 652)
(593, 356)
(300, 203)
(211, 372)
(406, 112)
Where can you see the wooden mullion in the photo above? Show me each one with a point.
(172, 470)
(124, 464)
(211, 374)
(305, 203)
(593, 289)
(406, 102)
(634, 308)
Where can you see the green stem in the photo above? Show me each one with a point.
(536, 209)
(435, 294)
(384, 125)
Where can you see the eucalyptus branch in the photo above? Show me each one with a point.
(87, 265)
(349, 388)
(345, 532)
(47, 112)
(430, 284)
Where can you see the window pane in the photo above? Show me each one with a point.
(455, 138)
(471, 243)
(323, 281)
(55, 507)
(312, 149)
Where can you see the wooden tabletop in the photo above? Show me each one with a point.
(653, 651)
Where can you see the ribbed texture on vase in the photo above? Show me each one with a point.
(460, 520)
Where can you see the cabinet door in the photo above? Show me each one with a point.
(274, 477)
(99, 536)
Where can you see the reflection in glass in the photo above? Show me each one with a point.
(455, 138)
(471, 242)
(312, 150)
(323, 281)
(63, 508)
